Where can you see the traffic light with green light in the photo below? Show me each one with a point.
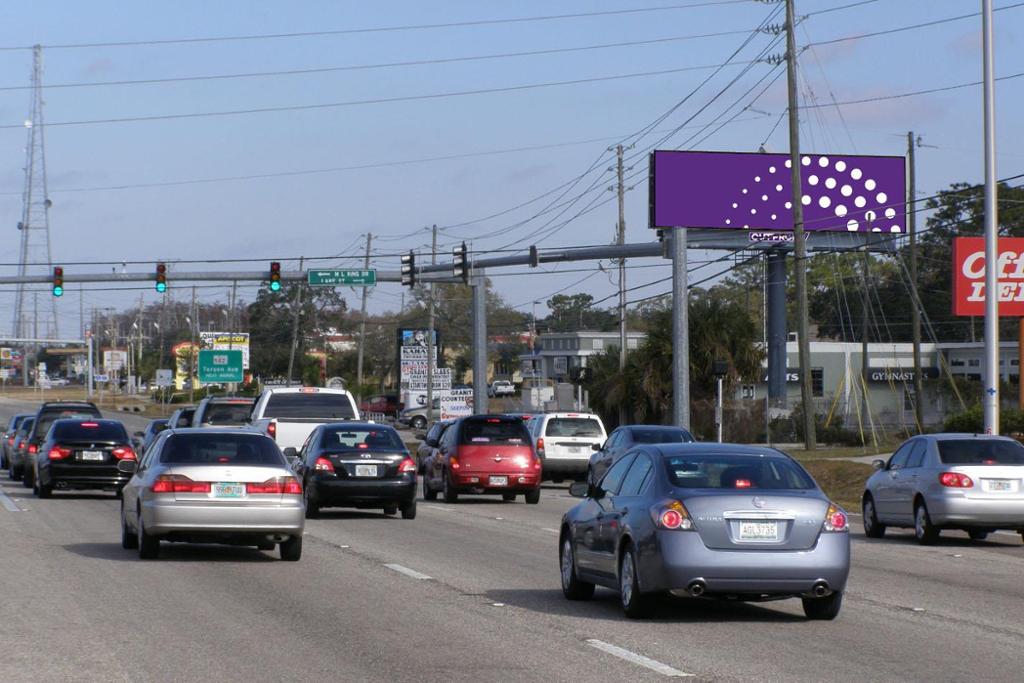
(275, 276)
(58, 281)
(161, 277)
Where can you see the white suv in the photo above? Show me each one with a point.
(501, 387)
(565, 442)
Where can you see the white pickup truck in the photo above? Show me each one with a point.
(290, 414)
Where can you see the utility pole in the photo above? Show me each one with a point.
(866, 275)
(362, 326)
(193, 352)
(430, 335)
(799, 239)
(915, 312)
(680, 332)
(295, 326)
(620, 240)
(991, 398)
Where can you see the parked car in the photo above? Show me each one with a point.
(222, 411)
(47, 414)
(82, 454)
(625, 437)
(501, 387)
(19, 449)
(380, 403)
(152, 431)
(358, 465)
(565, 441)
(290, 414)
(711, 520)
(430, 442)
(489, 454)
(182, 417)
(8, 437)
(416, 417)
(973, 482)
(228, 486)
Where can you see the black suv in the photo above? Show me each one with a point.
(47, 414)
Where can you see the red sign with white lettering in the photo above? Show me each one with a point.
(969, 276)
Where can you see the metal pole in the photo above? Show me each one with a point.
(866, 277)
(799, 239)
(718, 411)
(362, 326)
(295, 327)
(915, 311)
(479, 285)
(192, 352)
(991, 398)
(621, 239)
(430, 335)
(776, 304)
(89, 359)
(680, 332)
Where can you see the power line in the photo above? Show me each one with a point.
(913, 93)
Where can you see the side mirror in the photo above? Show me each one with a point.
(422, 436)
(291, 453)
(127, 466)
(878, 464)
(431, 442)
(595, 447)
(579, 489)
(141, 435)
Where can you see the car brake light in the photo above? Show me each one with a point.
(453, 462)
(955, 480)
(540, 445)
(59, 453)
(407, 465)
(33, 448)
(124, 453)
(323, 465)
(835, 519)
(89, 425)
(276, 486)
(272, 430)
(178, 483)
(672, 515)
(743, 484)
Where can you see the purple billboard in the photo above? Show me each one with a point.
(753, 191)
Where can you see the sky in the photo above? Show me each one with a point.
(402, 146)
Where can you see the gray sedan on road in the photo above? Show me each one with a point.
(932, 482)
(713, 520)
(212, 486)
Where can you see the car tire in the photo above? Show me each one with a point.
(129, 541)
(872, 527)
(978, 534)
(149, 545)
(312, 507)
(390, 509)
(532, 497)
(291, 550)
(408, 510)
(823, 609)
(40, 490)
(924, 531)
(450, 494)
(508, 497)
(572, 587)
(428, 493)
(418, 422)
(26, 477)
(634, 604)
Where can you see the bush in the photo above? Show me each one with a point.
(972, 421)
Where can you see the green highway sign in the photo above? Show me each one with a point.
(220, 366)
(334, 278)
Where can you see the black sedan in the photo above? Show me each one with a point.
(357, 465)
(627, 436)
(82, 454)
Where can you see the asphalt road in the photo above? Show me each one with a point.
(466, 592)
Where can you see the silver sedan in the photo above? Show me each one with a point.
(932, 482)
(212, 486)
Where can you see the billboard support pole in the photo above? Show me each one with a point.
(479, 286)
(680, 332)
(776, 294)
(915, 311)
(991, 398)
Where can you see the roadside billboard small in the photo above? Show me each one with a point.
(969, 276)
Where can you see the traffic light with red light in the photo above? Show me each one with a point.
(275, 276)
(58, 281)
(161, 277)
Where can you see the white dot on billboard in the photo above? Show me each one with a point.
(805, 200)
(735, 205)
(856, 174)
(876, 230)
(789, 205)
(890, 213)
(764, 198)
(771, 169)
(882, 197)
(870, 215)
(812, 180)
(789, 163)
(753, 211)
(852, 225)
(823, 162)
(840, 210)
(778, 188)
(840, 166)
(846, 190)
(774, 217)
(859, 202)
(824, 202)
(830, 183)
(806, 161)
(728, 222)
(744, 190)
(869, 184)
(757, 179)
(895, 228)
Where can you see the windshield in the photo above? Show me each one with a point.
(661, 436)
(226, 413)
(361, 438)
(319, 405)
(721, 471)
(73, 430)
(574, 426)
(211, 448)
(494, 430)
(981, 452)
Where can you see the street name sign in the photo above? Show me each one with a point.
(220, 366)
(335, 278)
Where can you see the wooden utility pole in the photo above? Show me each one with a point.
(362, 325)
(915, 311)
(296, 307)
(193, 352)
(620, 240)
(430, 335)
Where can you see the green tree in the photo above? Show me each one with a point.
(271, 327)
(572, 312)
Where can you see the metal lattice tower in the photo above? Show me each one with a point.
(35, 220)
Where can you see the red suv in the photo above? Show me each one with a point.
(484, 454)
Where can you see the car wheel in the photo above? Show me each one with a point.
(450, 494)
(40, 490)
(408, 510)
(825, 609)
(978, 534)
(129, 541)
(390, 509)
(26, 477)
(428, 493)
(149, 545)
(572, 587)
(872, 527)
(291, 550)
(508, 497)
(312, 507)
(533, 497)
(924, 531)
(634, 604)
(419, 422)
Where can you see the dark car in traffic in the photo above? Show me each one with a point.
(152, 431)
(430, 442)
(8, 437)
(356, 465)
(47, 414)
(19, 449)
(82, 454)
(713, 520)
(625, 437)
(223, 411)
(181, 418)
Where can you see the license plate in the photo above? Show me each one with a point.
(759, 531)
(93, 455)
(498, 481)
(574, 449)
(999, 485)
(366, 470)
(228, 490)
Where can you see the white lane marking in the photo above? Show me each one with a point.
(554, 531)
(411, 573)
(639, 660)
(8, 503)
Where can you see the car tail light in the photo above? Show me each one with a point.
(835, 519)
(540, 446)
(324, 465)
(272, 430)
(10, 440)
(453, 462)
(178, 483)
(33, 449)
(276, 486)
(672, 515)
(124, 453)
(89, 425)
(955, 480)
(59, 453)
(536, 464)
(743, 484)
(407, 465)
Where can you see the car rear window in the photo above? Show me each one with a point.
(226, 413)
(980, 452)
(743, 472)
(573, 426)
(361, 438)
(661, 436)
(221, 449)
(85, 431)
(26, 426)
(312, 405)
(495, 430)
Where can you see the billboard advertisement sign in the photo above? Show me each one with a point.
(456, 403)
(226, 341)
(753, 191)
(969, 276)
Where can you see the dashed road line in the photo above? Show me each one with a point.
(549, 529)
(639, 660)
(8, 503)
(411, 573)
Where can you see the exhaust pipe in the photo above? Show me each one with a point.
(696, 588)
(821, 589)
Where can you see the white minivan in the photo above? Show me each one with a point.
(564, 443)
